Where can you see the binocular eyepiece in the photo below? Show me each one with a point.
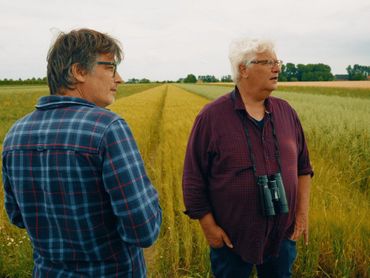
(272, 195)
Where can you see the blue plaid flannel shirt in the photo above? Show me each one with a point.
(74, 178)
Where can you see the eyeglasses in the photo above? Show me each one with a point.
(270, 63)
(113, 64)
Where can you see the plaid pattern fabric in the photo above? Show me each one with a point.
(74, 178)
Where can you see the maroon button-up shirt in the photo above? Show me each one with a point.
(218, 173)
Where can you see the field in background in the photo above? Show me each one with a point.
(358, 89)
(329, 84)
(337, 131)
(161, 119)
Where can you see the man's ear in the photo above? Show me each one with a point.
(78, 73)
(243, 71)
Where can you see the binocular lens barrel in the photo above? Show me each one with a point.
(283, 203)
(265, 196)
(274, 190)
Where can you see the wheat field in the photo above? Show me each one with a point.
(337, 129)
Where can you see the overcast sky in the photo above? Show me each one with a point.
(167, 39)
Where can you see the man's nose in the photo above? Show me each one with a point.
(118, 78)
(276, 68)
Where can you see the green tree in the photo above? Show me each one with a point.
(358, 72)
(226, 78)
(314, 72)
(291, 72)
(190, 78)
(144, 80)
(208, 78)
(282, 74)
(133, 81)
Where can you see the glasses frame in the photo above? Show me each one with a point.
(270, 63)
(113, 64)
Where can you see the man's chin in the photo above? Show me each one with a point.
(111, 100)
(273, 87)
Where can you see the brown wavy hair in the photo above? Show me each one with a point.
(81, 47)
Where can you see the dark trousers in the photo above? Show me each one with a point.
(226, 264)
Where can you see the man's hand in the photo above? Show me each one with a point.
(216, 237)
(214, 234)
(301, 227)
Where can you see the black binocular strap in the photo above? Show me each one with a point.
(249, 142)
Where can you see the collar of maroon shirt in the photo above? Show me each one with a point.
(239, 105)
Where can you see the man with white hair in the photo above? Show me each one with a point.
(247, 171)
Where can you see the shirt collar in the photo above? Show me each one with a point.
(239, 105)
(55, 101)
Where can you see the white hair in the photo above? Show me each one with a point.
(245, 49)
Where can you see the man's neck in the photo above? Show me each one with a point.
(72, 93)
(254, 106)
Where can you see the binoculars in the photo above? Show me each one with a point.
(272, 195)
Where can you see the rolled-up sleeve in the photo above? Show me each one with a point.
(133, 198)
(196, 168)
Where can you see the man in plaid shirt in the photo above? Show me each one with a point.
(72, 173)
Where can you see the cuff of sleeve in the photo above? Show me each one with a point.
(197, 214)
(304, 172)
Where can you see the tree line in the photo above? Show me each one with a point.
(29, 81)
(292, 72)
(190, 78)
(289, 72)
(358, 72)
(320, 72)
(309, 72)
